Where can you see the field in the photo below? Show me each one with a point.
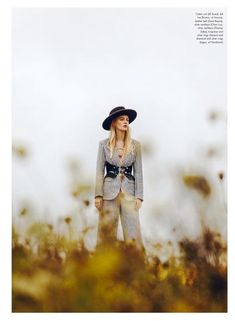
(52, 273)
(57, 272)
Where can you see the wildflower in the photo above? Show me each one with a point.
(68, 220)
(199, 183)
(221, 175)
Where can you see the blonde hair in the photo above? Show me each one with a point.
(128, 142)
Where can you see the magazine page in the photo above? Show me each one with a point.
(119, 159)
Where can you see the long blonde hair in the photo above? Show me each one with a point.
(128, 142)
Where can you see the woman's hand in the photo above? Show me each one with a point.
(138, 204)
(99, 202)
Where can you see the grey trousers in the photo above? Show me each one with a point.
(108, 221)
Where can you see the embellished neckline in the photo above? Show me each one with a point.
(120, 153)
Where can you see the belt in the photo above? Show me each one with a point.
(113, 171)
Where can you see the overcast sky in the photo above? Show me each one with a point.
(72, 66)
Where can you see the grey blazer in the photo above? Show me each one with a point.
(109, 187)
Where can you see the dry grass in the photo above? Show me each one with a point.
(53, 274)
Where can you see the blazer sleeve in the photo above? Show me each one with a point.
(100, 164)
(138, 172)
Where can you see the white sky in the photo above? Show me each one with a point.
(72, 66)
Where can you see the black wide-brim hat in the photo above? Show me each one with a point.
(116, 112)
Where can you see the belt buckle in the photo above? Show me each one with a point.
(121, 172)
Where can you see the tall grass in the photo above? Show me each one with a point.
(54, 273)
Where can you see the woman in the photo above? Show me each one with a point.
(119, 192)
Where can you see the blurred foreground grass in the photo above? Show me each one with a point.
(54, 274)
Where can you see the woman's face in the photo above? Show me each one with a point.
(122, 122)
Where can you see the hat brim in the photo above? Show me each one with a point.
(131, 113)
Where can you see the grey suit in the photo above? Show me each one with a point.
(109, 187)
(119, 196)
